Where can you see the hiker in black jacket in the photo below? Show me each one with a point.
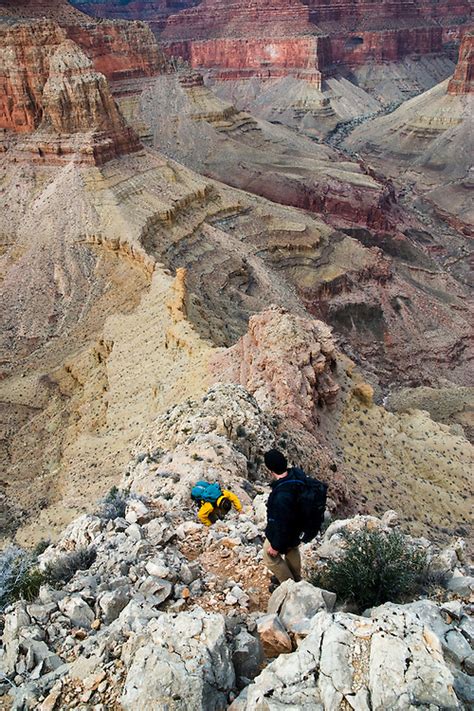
(280, 550)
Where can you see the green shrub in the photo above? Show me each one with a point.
(19, 576)
(41, 546)
(28, 584)
(374, 568)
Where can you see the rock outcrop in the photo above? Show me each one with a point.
(167, 611)
(120, 50)
(286, 363)
(463, 79)
(55, 89)
(360, 661)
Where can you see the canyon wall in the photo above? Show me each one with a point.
(325, 36)
(463, 79)
(236, 58)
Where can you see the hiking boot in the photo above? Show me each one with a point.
(274, 580)
(272, 587)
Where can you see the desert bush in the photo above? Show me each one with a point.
(61, 570)
(375, 567)
(19, 576)
(114, 504)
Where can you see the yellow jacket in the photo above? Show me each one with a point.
(207, 508)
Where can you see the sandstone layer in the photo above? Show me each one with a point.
(55, 89)
(325, 38)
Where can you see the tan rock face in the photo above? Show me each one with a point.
(76, 98)
(285, 362)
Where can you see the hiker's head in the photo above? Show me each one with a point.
(275, 461)
(224, 504)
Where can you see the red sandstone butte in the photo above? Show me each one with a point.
(26, 50)
(120, 50)
(463, 79)
(51, 92)
(244, 38)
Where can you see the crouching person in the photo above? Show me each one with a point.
(214, 502)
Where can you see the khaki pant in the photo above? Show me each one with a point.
(284, 567)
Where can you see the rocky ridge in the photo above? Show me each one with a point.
(171, 610)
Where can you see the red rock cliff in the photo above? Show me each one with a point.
(463, 79)
(337, 33)
(120, 50)
(52, 93)
(25, 51)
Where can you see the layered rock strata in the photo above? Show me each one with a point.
(55, 95)
(426, 140)
(463, 79)
(120, 50)
(323, 37)
(191, 125)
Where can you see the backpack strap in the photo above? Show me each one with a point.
(289, 481)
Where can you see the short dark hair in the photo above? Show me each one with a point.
(275, 461)
(225, 505)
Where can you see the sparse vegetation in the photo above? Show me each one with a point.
(114, 504)
(21, 578)
(376, 567)
(61, 570)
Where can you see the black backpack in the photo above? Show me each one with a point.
(310, 506)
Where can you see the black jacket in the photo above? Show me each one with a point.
(283, 528)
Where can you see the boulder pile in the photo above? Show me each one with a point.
(171, 614)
